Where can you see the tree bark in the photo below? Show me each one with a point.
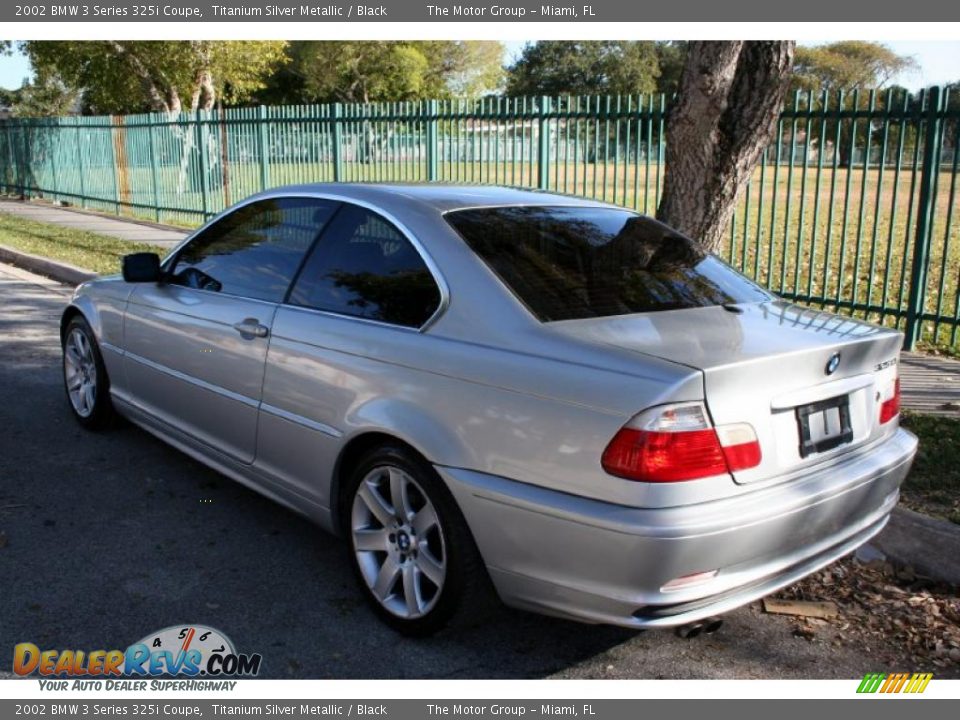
(204, 91)
(730, 97)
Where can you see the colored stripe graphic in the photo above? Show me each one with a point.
(894, 683)
(919, 682)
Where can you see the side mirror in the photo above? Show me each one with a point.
(141, 267)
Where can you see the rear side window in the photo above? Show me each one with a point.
(569, 263)
(254, 251)
(363, 266)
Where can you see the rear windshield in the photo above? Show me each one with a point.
(569, 263)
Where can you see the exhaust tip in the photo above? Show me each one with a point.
(690, 630)
(711, 625)
(708, 626)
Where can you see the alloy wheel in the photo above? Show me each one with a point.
(80, 372)
(399, 542)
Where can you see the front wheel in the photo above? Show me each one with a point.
(85, 376)
(409, 545)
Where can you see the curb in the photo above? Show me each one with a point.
(929, 546)
(59, 271)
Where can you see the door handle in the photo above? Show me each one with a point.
(251, 327)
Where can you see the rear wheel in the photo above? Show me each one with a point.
(85, 377)
(409, 545)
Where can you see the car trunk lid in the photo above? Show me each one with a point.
(810, 383)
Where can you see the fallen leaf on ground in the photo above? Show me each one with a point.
(880, 603)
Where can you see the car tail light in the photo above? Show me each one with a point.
(674, 443)
(740, 446)
(890, 407)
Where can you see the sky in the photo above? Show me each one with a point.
(939, 63)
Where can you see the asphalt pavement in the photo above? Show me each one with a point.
(107, 537)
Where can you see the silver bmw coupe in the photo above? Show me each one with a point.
(485, 388)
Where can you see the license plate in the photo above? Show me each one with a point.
(824, 425)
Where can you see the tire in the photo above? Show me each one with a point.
(85, 377)
(417, 566)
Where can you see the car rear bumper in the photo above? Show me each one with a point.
(597, 562)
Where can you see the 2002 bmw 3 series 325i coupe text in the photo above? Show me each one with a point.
(475, 384)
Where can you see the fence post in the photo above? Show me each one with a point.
(79, 145)
(154, 171)
(53, 137)
(337, 142)
(204, 175)
(543, 142)
(10, 172)
(3, 161)
(433, 150)
(8, 178)
(25, 134)
(117, 169)
(263, 147)
(921, 246)
(21, 156)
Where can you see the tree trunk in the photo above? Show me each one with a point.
(204, 91)
(730, 97)
(203, 97)
(186, 135)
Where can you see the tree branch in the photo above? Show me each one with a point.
(166, 99)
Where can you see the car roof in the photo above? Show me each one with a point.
(438, 196)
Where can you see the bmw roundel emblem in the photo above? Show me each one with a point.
(833, 363)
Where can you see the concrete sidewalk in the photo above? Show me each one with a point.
(930, 384)
(125, 229)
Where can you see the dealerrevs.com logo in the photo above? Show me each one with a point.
(181, 650)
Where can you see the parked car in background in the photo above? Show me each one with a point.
(476, 384)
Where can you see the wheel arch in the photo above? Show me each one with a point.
(351, 453)
(84, 308)
(400, 421)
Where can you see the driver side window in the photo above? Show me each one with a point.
(255, 251)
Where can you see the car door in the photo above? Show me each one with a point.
(195, 344)
(326, 356)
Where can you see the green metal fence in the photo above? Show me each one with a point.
(851, 208)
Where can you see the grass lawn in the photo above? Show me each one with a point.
(933, 486)
(99, 253)
(940, 348)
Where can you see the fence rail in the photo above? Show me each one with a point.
(850, 209)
